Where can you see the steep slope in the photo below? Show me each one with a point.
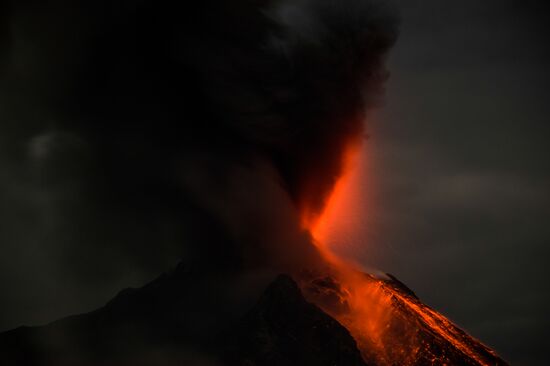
(185, 318)
(392, 326)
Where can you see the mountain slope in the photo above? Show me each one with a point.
(160, 324)
(392, 326)
(185, 318)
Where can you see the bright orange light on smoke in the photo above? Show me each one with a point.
(336, 209)
(338, 221)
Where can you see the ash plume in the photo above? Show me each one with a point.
(150, 132)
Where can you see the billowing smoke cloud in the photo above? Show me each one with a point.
(138, 132)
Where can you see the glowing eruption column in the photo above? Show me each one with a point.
(338, 218)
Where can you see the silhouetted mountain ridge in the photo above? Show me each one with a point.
(162, 324)
(186, 317)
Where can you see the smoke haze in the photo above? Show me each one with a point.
(137, 134)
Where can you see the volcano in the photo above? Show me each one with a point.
(162, 324)
(221, 134)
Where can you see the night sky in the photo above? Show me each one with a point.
(460, 169)
(456, 179)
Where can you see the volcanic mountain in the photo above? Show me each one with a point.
(163, 324)
(220, 133)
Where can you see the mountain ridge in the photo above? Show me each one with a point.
(162, 324)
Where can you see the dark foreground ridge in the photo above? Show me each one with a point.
(164, 324)
(156, 325)
(284, 329)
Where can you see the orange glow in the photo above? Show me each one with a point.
(334, 220)
(390, 326)
(337, 204)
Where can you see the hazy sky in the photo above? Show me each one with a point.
(458, 169)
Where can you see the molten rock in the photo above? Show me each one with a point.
(392, 326)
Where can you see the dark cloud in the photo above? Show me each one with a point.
(139, 133)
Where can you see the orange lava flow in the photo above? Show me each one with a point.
(390, 326)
